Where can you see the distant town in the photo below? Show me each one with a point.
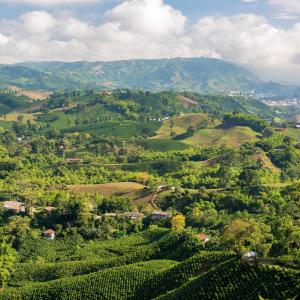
(295, 102)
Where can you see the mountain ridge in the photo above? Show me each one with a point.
(204, 75)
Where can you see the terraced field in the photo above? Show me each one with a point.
(151, 265)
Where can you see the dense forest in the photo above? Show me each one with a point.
(127, 194)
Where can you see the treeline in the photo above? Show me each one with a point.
(240, 119)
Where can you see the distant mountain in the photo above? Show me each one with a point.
(202, 75)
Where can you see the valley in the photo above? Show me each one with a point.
(139, 195)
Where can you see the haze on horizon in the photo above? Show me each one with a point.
(262, 35)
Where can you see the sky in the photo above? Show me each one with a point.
(262, 35)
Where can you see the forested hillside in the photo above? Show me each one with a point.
(202, 75)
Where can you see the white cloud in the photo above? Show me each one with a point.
(250, 40)
(152, 29)
(150, 17)
(38, 22)
(249, 1)
(290, 6)
(3, 39)
(49, 2)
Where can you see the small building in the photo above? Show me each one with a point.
(134, 215)
(297, 125)
(162, 188)
(74, 160)
(14, 206)
(49, 234)
(250, 257)
(203, 237)
(110, 215)
(49, 209)
(106, 92)
(160, 215)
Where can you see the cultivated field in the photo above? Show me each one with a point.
(107, 189)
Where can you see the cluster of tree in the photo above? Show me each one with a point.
(240, 119)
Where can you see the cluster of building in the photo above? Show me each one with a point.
(294, 102)
(160, 119)
(17, 207)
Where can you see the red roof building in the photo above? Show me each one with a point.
(49, 234)
(14, 206)
(203, 237)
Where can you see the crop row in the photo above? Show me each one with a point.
(236, 280)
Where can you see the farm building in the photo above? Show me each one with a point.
(162, 188)
(110, 215)
(297, 125)
(14, 206)
(160, 215)
(49, 234)
(203, 237)
(74, 160)
(49, 209)
(133, 215)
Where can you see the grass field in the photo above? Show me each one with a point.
(6, 124)
(207, 131)
(107, 189)
(181, 124)
(13, 117)
(234, 136)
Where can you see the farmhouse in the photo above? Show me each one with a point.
(297, 125)
(133, 215)
(160, 215)
(14, 206)
(49, 234)
(203, 237)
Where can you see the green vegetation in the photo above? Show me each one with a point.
(138, 195)
(236, 280)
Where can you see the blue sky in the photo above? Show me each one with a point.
(191, 8)
(263, 35)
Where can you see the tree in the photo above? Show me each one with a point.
(7, 260)
(20, 118)
(17, 230)
(178, 222)
(241, 235)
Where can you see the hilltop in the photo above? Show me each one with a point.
(202, 75)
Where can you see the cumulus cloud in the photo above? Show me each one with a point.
(151, 17)
(49, 2)
(153, 29)
(250, 40)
